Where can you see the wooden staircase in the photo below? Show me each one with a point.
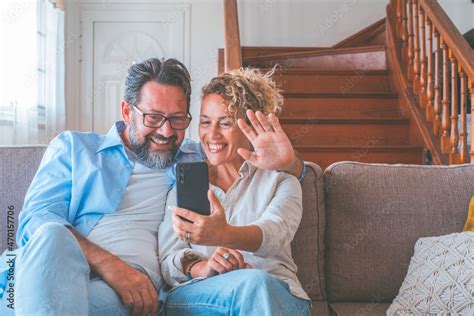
(378, 95)
(339, 102)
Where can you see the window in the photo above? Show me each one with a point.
(32, 67)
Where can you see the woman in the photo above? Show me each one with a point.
(241, 253)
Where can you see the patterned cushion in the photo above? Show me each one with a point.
(440, 278)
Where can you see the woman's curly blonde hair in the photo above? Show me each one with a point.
(246, 88)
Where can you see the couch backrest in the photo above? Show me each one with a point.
(308, 244)
(375, 213)
(18, 165)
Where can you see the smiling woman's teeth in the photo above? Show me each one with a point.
(215, 147)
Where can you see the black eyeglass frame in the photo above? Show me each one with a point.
(165, 118)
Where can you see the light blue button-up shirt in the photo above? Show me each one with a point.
(82, 176)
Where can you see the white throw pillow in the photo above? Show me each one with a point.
(440, 278)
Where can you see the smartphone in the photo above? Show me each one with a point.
(192, 184)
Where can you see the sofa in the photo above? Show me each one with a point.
(359, 226)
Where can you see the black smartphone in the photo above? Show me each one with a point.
(192, 184)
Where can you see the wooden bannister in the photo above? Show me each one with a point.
(232, 51)
(438, 65)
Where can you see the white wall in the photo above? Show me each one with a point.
(461, 12)
(318, 23)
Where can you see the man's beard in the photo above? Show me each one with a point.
(160, 158)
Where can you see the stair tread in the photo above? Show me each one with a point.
(324, 72)
(352, 147)
(344, 120)
(388, 95)
(318, 52)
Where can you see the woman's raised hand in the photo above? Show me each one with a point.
(272, 148)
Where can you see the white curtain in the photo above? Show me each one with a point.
(54, 81)
(32, 68)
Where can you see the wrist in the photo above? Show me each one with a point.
(227, 238)
(200, 269)
(294, 166)
(107, 266)
(189, 268)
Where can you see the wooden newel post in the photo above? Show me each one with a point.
(232, 52)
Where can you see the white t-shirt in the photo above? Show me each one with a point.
(131, 233)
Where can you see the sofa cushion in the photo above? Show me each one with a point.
(319, 308)
(359, 309)
(440, 278)
(17, 168)
(375, 213)
(308, 244)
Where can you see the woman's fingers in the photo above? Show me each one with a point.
(276, 124)
(182, 224)
(237, 256)
(255, 122)
(248, 131)
(185, 214)
(216, 205)
(225, 263)
(233, 261)
(234, 257)
(264, 122)
(216, 266)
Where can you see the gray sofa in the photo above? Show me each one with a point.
(359, 227)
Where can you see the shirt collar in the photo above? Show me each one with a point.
(247, 169)
(113, 139)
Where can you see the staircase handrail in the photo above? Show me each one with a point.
(439, 67)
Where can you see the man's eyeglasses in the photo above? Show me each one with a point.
(157, 120)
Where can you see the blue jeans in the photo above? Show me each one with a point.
(52, 277)
(240, 292)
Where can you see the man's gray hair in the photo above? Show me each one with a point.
(168, 72)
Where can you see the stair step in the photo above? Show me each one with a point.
(326, 155)
(257, 51)
(343, 82)
(367, 58)
(338, 131)
(357, 107)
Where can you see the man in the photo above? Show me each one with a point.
(88, 229)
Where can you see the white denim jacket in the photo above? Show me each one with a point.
(271, 200)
